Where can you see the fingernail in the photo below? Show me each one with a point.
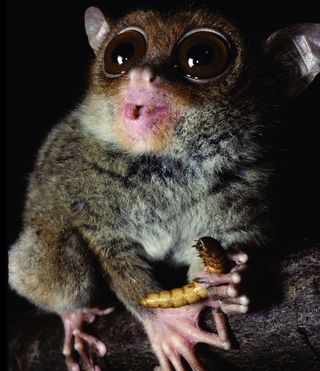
(231, 291)
(66, 351)
(244, 300)
(236, 278)
(78, 347)
(243, 258)
(102, 350)
(227, 345)
(108, 310)
(244, 309)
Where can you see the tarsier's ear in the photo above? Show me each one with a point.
(294, 53)
(96, 27)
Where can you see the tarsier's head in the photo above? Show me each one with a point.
(159, 79)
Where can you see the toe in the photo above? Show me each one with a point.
(221, 322)
(239, 268)
(177, 363)
(164, 362)
(72, 365)
(234, 308)
(99, 347)
(98, 312)
(210, 339)
(189, 355)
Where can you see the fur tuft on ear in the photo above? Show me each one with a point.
(97, 27)
(294, 54)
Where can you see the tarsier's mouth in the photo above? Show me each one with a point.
(136, 112)
(145, 112)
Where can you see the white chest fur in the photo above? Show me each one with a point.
(178, 237)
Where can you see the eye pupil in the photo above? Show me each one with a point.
(122, 53)
(200, 55)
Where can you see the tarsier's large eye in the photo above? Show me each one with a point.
(124, 51)
(203, 54)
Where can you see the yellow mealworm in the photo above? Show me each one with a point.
(175, 298)
(212, 255)
(214, 259)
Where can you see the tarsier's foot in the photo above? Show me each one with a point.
(76, 340)
(174, 332)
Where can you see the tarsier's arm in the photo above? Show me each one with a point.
(129, 273)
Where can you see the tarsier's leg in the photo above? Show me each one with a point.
(174, 332)
(56, 271)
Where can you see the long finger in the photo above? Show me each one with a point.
(93, 342)
(223, 292)
(189, 355)
(98, 312)
(72, 365)
(210, 338)
(176, 362)
(239, 268)
(237, 256)
(68, 340)
(87, 361)
(243, 300)
(90, 314)
(234, 308)
(163, 360)
(221, 321)
(213, 279)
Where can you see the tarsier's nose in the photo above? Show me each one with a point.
(143, 74)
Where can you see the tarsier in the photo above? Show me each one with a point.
(169, 144)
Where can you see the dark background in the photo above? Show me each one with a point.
(47, 60)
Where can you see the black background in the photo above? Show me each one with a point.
(48, 56)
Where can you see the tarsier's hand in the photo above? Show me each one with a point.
(174, 332)
(225, 290)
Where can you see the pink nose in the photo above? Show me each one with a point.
(143, 75)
